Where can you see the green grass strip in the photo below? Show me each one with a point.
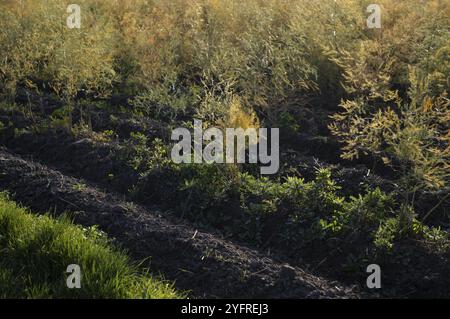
(35, 252)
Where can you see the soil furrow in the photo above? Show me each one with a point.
(201, 262)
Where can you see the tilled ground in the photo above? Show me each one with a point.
(200, 262)
(94, 160)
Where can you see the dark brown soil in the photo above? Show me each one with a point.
(424, 276)
(200, 262)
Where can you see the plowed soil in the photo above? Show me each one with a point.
(200, 262)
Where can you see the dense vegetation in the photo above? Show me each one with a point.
(337, 90)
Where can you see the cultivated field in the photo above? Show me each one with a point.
(91, 96)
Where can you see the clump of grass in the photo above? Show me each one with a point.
(36, 250)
